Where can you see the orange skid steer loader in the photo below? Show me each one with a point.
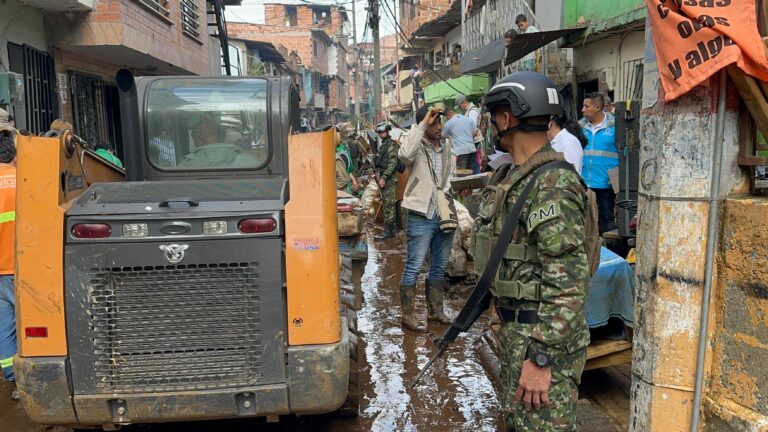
(202, 282)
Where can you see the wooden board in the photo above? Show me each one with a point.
(604, 353)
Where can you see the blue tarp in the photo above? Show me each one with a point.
(611, 292)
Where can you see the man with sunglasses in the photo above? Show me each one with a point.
(540, 285)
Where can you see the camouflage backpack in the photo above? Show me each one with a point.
(592, 231)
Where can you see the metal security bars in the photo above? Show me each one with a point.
(161, 7)
(190, 18)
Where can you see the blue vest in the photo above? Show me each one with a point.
(600, 154)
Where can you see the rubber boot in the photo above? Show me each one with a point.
(434, 291)
(389, 232)
(408, 307)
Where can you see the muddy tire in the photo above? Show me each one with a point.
(350, 278)
(351, 407)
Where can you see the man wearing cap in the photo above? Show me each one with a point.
(429, 163)
(473, 112)
(541, 282)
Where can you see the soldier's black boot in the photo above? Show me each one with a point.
(408, 308)
(434, 291)
(389, 232)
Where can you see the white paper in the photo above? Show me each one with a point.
(498, 159)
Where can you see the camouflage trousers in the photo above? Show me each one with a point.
(389, 202)
(563, 391)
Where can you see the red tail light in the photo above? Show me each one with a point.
(633, 223)
(37, 332)
(253, 226)
(89, 231)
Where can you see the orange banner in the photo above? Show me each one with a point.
(696, 38)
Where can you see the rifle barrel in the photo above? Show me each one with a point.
(428, 365)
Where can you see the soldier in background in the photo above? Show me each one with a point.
(386, 164)
(540, 290)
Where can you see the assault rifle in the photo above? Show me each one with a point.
(480, 298)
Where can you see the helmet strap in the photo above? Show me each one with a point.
(523, 126)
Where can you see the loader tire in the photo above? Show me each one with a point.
(351, 407)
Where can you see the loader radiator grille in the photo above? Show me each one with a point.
(170, 328)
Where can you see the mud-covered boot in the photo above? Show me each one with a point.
(434, 291)
(408, 308)
(389, 232)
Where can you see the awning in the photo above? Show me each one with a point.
(468, 85)
(485, 59)
(525, 43)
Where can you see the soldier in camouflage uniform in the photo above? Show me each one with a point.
(386, 163)
(541, 283)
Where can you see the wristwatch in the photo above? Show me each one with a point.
(540, 359)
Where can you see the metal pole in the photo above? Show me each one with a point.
(714, 204)
(355, 67)
(374, 5)
(397, 55)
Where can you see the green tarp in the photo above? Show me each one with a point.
(474, 85)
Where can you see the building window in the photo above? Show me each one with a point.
(291, 17)
(190, 18)
(96, 110)
(413, 8)
(235, 64)
(160, 7)
(40, 105)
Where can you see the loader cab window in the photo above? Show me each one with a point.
(195, 124)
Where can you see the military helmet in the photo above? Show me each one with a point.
(528, 94)
(383, 127)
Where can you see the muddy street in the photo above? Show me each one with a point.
(455, 395)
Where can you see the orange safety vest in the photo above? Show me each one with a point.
(7, 217)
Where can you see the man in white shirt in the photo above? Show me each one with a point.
(564, 136)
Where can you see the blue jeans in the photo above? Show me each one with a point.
(7, 326)
(424, 236)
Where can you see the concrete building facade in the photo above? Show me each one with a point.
(70, 51)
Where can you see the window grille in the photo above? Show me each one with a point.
(190, 18)
(161, 7)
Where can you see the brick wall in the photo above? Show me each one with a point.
(128, 24)
(424, 11)
(293, 39)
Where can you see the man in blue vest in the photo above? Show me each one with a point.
(600, 156)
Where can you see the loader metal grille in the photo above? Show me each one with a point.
(170, 328)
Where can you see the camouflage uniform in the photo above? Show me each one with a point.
(387, 164)
(544, 269)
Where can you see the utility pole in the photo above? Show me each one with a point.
(355, 67)
(374, 23)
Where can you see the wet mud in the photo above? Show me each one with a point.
(455, 395)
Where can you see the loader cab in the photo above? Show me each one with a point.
(205, 128)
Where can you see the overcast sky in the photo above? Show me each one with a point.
(253, 11)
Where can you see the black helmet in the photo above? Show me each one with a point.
(383, 127)
(528, 94)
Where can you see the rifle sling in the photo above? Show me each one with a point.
(497, 253)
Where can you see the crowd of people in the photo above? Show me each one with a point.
(540, 284)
